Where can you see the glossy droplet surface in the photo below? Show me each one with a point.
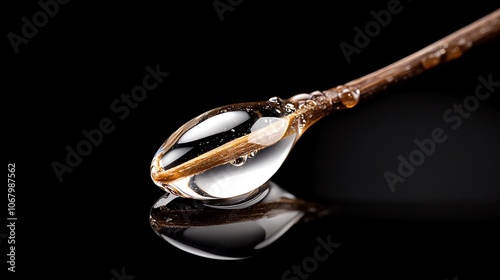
(232, 150)
(239, 161)
(348, 96)
(202, 160)
(232, 232)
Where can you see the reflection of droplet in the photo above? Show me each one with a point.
(226, 232)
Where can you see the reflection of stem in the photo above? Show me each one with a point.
(207, 216)
(444, 50)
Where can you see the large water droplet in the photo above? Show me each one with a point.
(212, 230)
(226, 152)
(232, 150)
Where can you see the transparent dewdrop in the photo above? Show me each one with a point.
(232, 150)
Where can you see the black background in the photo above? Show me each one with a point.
(441, 223)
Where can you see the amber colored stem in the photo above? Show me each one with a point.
(444, 50)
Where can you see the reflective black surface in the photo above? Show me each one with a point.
(229, 230)
(75, 74)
